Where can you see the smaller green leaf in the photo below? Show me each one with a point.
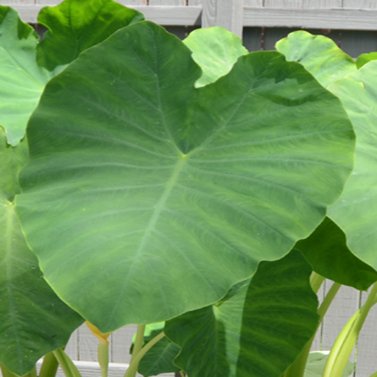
(21, 79)
(12, 160)
(365, 58)
(317, 361)
(327, 252)
(257, 332)
(318, 54)
(215, 50)
(355, 211)
(75, 25)
(160, 358)
(34, 320)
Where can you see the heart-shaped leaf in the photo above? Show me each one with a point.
(215, 50)
(327, 252)
(34, 320)
(21, 79)
(75, 25)
(365, 58)
(355, 212)
(258, 332)
(319, 55)
(160, 358)
(165, 195)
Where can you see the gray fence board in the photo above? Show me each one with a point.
(225, 13)
(303, 4)
(167, 2)
(253, 3)
(235, 14)
(360, 4)
(311, 18)
(164, 15)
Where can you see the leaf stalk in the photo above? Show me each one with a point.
(347, 338)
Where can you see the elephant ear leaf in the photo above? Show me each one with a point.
(21, 79)
(34, 320)
(160, 358)
(327, 252)
(75, 25)
(134, 169)
(256, 332)
(215, 50)
(355, 212)
(318, 54)
(365, 58)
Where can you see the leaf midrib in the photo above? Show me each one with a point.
(158, 208)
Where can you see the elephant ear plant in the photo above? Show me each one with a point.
(162, 190)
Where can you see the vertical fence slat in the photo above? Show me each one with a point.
(121, 341)
(316, 345)
(225, 13)
(209, 13)
(72, 348)
(87, 344)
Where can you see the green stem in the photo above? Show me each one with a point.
(136, 358)
(32, 373)
(138, 344)
(49, 366)
(139, 339)
(297, 368)
(69, 369)
(347, 338)
(103, 357)
(6, 372)
(316, 281)
(322, 310)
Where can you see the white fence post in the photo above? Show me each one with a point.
(225, 13)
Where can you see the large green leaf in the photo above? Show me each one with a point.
(75, 25)
(160, 358)
(215, 50)
(21, 79)
(327, 252)
(355, 212)
(257, 332)
(33, 320)
(164, 195)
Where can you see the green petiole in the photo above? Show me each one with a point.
(347, 338)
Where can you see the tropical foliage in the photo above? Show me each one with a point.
(190, 187)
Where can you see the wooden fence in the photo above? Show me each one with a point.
(82, 345)
(351, 23)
